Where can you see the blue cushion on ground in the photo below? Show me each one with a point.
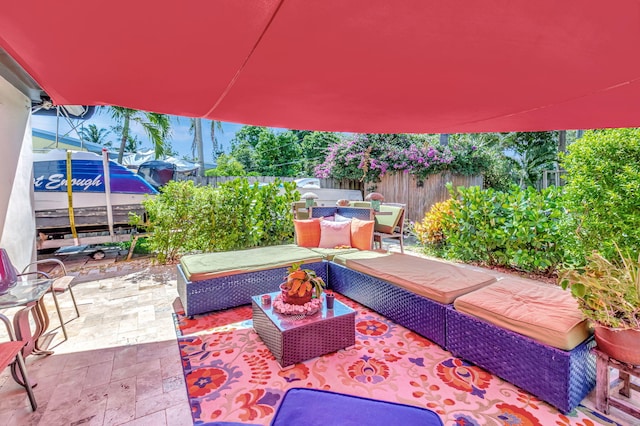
(313, 407)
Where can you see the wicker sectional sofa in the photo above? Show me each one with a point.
(404, 288)
(215, 281)
(559, 377)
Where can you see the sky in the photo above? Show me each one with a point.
(181, 139)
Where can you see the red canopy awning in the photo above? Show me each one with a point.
(343, 65)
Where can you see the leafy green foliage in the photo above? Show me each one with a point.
(522, 229)
(278, 155)
(175, 219)
(233, 222)
(314, 149)
(498, 174)
(226, 166)
(274, 213)
(535, 152)
(603, 190)
(242, 151)
(488, 158)
(470, 155)
(185, 218)
(607, 292)
(141, 247)
(263, 152)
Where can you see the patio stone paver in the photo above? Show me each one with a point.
(121, 364)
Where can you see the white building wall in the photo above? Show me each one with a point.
(17, 221)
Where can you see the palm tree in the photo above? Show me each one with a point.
(156, 126)
(196, 126)
(214, 139)
(91, 133)
(197, 144)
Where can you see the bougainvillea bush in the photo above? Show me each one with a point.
(369, 157)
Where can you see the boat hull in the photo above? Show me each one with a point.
(89, 198)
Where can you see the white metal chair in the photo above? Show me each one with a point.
(60, 284)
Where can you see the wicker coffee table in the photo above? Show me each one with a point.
(292, 339)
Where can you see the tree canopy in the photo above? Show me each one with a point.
(156, 126)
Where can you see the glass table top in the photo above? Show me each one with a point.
(288, 322)
(25, 291)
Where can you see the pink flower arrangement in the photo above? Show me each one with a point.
(308, 308)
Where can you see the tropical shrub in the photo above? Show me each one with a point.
(521, 229)
(431, 230)
(186, 218)
(499, 171)
(603, 190)
(234, 222)
(226, 166)
(607, 292)
(171, 220)
(274, 214)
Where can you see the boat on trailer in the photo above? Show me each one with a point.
(96, 207)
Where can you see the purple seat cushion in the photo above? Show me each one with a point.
(312, 407)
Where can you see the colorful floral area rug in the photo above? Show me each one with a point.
(232, 376)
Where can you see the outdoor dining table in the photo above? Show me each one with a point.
(27, 294)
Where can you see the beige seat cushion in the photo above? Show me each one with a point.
(330, 253)
(344, 258)
(439, 281)
(198, 267)
(543, 312)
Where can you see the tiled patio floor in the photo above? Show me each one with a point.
(121, 364)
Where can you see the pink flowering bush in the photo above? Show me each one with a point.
(369, 157)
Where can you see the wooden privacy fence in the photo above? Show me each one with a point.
(405, 189)
(396, 188)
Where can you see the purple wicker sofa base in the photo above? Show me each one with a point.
(561, 378)
(424, 316)
(215, 294)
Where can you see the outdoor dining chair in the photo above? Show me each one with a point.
(60, 284)
(390, 225)
(10, 354)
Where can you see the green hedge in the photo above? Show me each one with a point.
(521, 229)
(187, 218)
(603, 190)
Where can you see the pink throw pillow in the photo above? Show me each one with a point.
(334, 234)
